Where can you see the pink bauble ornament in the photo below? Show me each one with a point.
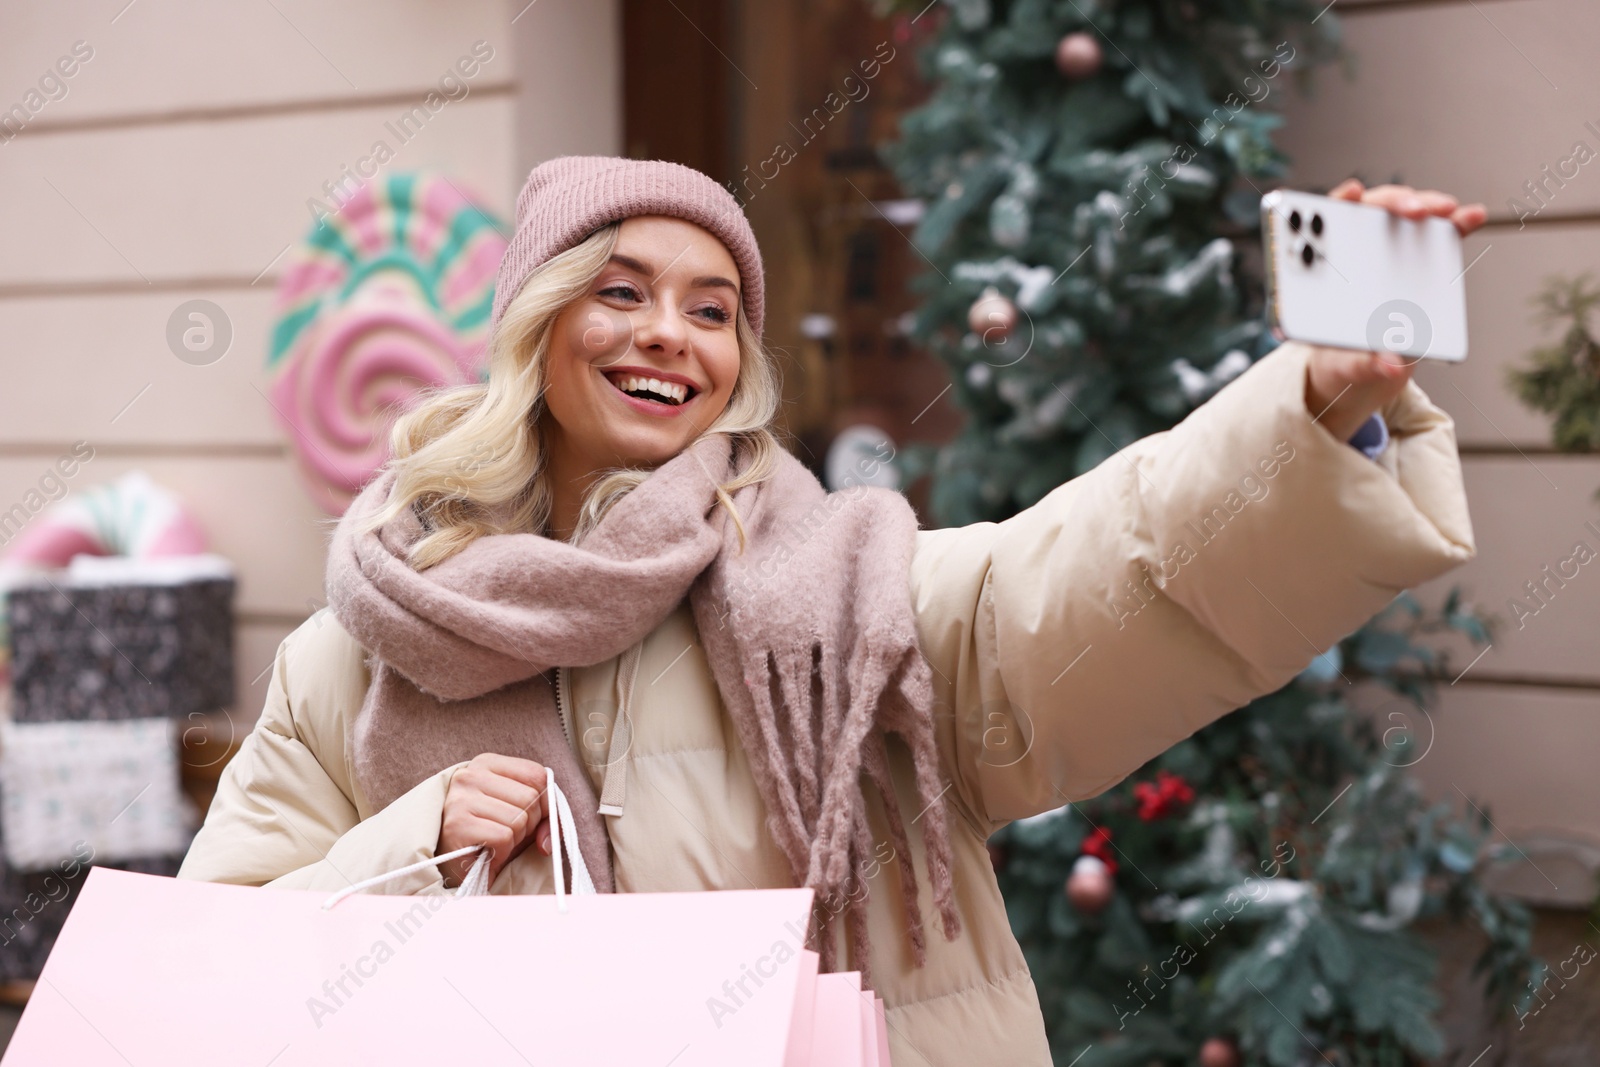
(992, 317)
(1219, 1052)
(1090, 885)
(1079, 55)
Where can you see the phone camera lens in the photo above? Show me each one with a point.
(1294, 221)
(1308, 255)
(1316, 225)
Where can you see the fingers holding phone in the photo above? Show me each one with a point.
(1369, 270)
(1414, 203)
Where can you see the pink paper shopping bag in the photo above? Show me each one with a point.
(152, 970)
(836, 1022)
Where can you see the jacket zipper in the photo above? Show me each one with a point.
(561, 711)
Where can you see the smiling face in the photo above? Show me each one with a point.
(646, 360)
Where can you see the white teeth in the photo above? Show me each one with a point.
(672, 390)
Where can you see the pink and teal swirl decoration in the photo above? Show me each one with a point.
(385, 298)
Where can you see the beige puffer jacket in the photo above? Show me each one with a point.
(1186, 575)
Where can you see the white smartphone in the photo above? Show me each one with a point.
(1351, 275)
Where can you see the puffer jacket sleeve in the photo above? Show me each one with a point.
(286, 813)
(1189, 573)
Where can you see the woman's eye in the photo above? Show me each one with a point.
(715, 313)
(625, 292)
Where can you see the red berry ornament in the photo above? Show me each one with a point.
(1161, 798)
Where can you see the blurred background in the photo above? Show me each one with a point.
(236, 235)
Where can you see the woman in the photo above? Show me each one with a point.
(601, 566)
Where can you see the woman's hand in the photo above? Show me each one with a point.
(1344, 387)
(497, 801)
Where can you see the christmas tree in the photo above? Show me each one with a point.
(1092, 173)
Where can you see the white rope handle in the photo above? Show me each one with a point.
(563, 833)
(389, 876)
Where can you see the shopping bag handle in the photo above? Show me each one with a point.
(563, 835)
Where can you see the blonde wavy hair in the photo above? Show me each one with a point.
(462, 451)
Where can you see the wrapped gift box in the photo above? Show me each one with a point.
(118, 638)
(109, 787)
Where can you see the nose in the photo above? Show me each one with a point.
(661, 329)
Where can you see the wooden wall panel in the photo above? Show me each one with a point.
(1511, 267)
(569, 81)
(254, 511)
(204, 201)
(1528, 514)
(1525, 755)
(255, 646)
(1527, 752)
(154, 58)
(97, 367)
(1474, 98)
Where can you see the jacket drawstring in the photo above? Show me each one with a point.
(614, 787)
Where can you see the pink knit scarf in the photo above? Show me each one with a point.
(809, 632)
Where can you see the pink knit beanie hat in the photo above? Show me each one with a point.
(568, 198)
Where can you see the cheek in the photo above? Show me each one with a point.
(584, 338)
(721, 363)
(565, 371)
(597, 335)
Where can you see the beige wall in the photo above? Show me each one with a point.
(178, 165)
(569, 75)
(1476, 98)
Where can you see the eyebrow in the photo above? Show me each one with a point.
(704, 281)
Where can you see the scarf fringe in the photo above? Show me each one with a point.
(808, 689)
